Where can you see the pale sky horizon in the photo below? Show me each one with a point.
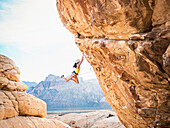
(32, 35)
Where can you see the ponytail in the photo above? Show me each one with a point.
(75, 65)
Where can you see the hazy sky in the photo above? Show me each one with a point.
(32, 34)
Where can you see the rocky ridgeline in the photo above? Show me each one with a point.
(16, 104)
(61, 95)
(127, 44)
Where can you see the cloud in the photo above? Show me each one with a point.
(36, 40)
(32, 23)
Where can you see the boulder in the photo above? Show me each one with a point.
(14, 103)
(10, 75)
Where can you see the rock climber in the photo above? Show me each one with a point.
(74, 74)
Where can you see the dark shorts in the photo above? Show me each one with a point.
(74, 73)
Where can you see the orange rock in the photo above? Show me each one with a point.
(14, 100)
(102, 18)
(10, 75)
(131, 82)
(127, 43)
(15, 103)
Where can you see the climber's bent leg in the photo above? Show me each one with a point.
(68, 78)
(75, 79)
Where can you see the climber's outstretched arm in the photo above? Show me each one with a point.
(78, 65)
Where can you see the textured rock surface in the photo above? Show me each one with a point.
(132, 80)
(14, 103)
(161, 13)
(105, 18)
(14, 100)
(31, 122)
(96, 119)
(127, 44)
(9, 76)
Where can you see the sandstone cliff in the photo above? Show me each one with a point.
(15, 102)
(127, 44)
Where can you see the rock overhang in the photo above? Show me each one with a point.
(115, 19)
(127, 44)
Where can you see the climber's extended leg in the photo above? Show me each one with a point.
(75, 79)
(68, 78)
(72, 77)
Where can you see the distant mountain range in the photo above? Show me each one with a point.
(30, 84)
(61, 95)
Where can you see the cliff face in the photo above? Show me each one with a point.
(127, 44)
(15, 102)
